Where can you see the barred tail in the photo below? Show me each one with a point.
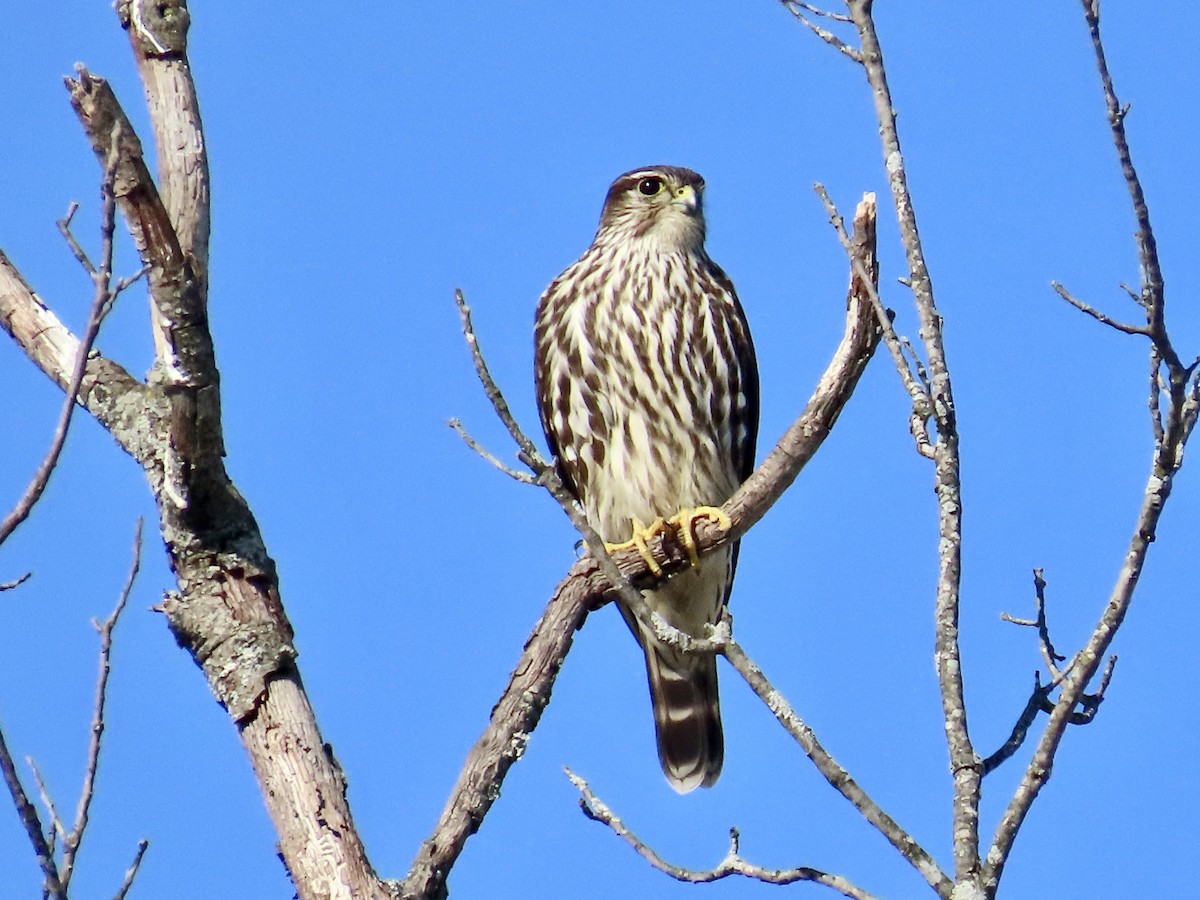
(687, 716)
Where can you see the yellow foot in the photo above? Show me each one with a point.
(642, 534)
(684, 523)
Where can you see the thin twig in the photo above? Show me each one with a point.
(56, 823)
(1090, 703)
(15, 583)
(103, 297)
(545, 472)
(1037, 701)
(1096, 314)
(823, 13)
(733, 863)
(839, 779)
(1152, 279)
(798, 10)
(33, 826)
(917, 389)
(918, 366)
(72, 841)
(516, 475)
(1051, 656)
(64, 228)
(131, 872)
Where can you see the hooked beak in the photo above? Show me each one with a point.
(687, 199)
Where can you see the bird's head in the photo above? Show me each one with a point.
(661, 204)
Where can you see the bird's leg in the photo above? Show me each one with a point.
(642, 534)
(684, 523)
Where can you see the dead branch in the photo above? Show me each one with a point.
(1038, 701)
(56, 829)
(108, 391)
(514, 474)
(73, 839)
(57, 875)
(733, 863)
(103, 296)
(799, 10)
(228, 612)
(64, 869)
(964, 763)
(1151, 293)
(1172, 426)
(33, 825)
(131, 872)
(158, 39)
(1049, 655)
(1096, 314)
(837, 777)
(1041, 700)
(513, 719)
(16, 582)
(545, 473)
(913, 377)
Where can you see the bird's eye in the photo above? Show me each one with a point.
(650, 186)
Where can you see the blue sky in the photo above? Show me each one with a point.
(367, 163)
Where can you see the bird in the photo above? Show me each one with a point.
(647, 390)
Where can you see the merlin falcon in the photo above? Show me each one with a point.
(647, 388)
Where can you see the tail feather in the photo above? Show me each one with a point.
(683, 686)
(687, 717)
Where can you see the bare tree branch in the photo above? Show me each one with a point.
(916, 385)
(837, 777)
(103, 297)
(484, 453)
(816, 11)
(1096, 314)
(1051, 656)
(1172, 427)
(158, 39)
(64, 224)
(1041, 698)
(799, 9)
(131, 872)
(1151, 294)
(1155, 395)
(117, 399)
(545, 472)
(733, 863)
(16, 582)
(228, 613)
(56, 827)
(1038, 700)
(964, 762)
(33, 825)
(73, 840)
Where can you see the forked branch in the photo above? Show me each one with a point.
(932, 381)
(57, 874)
(227, 612)
(1041, 698)
(104, 294)
(1173, 419)
(733, 863)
